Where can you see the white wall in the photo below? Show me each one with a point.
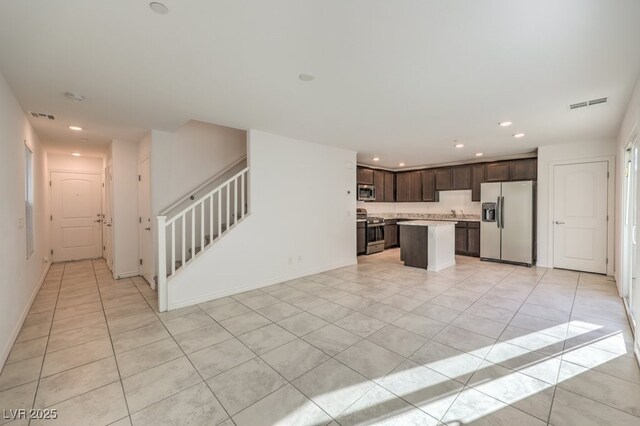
(20, 277)
(547, 156)
(302, 221)
(78, 164)
(183, 160)
(124, 157)
(449, 200)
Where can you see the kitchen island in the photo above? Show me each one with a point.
(427, 244)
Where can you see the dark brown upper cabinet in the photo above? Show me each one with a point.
(461, 177)
(444, 180)
(429, 192)
(408, 186)
(498, 172)
(477, 179)
(365, 176)
(378, 183)
(389, 186)
(524, 169)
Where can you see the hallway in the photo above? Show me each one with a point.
(366, 344)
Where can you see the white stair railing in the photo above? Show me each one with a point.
(187, 234)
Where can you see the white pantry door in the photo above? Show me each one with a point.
(76, 208)
(580, 216)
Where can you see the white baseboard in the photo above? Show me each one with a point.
(252, 286)
(126, 275)
(445, 266)
(14, 335)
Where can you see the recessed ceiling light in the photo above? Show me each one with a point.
(76, 128)
(505, 124)
(159, 8)
(73, 97)
(75, 154)
(306, 77)
(459, 145)
(401, 164)
(376, 159)
(479, 154)
(519, 135)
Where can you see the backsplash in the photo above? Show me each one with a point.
(460, 201)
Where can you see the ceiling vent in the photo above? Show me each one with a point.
(41, 115)
(585, 104)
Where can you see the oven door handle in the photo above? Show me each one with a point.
(373, 225)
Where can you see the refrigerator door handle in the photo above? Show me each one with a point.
(502, 212)
(498, 212)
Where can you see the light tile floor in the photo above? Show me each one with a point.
(375, 343)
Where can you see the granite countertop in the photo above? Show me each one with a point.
(430, 216)
(428, 223)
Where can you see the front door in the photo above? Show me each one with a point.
(580, 216)
(76, 207)
(144, 222)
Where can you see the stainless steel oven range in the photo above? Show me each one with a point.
(374, 232)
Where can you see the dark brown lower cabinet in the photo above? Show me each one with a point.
(468, 238)
(390, 234)
(461, 238)
(362, 242)
(473, 239)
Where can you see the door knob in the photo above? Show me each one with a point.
(559, 223)
(147, 229)
(98, 221)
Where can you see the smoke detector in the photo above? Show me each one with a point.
(584, 104)
(41, 115)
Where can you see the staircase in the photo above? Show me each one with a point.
(185, 236)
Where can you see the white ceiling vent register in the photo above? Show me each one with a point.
(41, 115)
(584, 104)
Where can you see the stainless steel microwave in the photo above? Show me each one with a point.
(366, 193)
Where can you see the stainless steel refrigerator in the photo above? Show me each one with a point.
(507, 229)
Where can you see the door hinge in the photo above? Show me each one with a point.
(607, 261)
(607, 175)
(139, 178)
(141, 261)
(49, 183)
(51, 218)
(104, 248)
(139, 219)
(51, 252)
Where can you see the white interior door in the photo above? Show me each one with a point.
(580, 216)
(76, 209)
(108, 217)
(144, 226)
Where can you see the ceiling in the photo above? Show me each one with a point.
(399, 80)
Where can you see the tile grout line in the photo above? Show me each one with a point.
(115, 359)
(465, 384)
(564, 345)
(187, 358)
(44, 357)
